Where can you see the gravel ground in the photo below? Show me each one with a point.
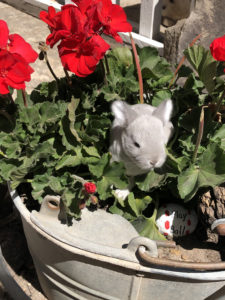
(33, 31)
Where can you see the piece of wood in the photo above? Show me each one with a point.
(150, 18)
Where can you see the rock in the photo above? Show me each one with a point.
(206, 19)
(171, 42)
(174, 220)
(211, 206)
(175, 10)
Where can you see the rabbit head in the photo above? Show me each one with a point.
(139, 134)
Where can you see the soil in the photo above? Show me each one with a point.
(195, 247)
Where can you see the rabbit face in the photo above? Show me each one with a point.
(139, 135)
(144, 148)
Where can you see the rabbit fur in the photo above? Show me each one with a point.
(139, 134)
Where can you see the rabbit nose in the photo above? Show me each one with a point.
(153, 162)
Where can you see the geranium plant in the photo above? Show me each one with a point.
(55, 140)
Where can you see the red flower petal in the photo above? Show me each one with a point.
(119, 19)
(90, 187)
(19, 73)
(3, 87)
(72, 18)
(56, 36)
(20, 46)
(14, 70)
(48, 17)
(4, 34)
(82, 57)
(113, 19)
(83, 5)
(217, 48)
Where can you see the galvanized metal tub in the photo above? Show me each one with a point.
(74, 267)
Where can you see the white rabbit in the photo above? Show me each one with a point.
(139, 134)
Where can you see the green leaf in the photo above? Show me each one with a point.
(188, 182)
(138, 204)
(68, 139)
(147, 228)
(220, 136)
(160, 96)
(113, 175)
(48, 89)
(43, 150)
(72, 109)
(149, 181)
(116, 210)
(123, 56)
(203, 62)
(209, 172)
(153, 66)
(39, 183)
(7, 166)
(69, 160)
(52, 112)
(190, 121)
(70, 199)
(31, 117)
(20, 101)
(9, 145)
(97, 168)
(18, 174)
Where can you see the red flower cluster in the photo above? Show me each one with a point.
(79, 27)
(217, 48)
(15, 56)
(90, 187)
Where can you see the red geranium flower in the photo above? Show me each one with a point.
(217, 48)
(89, 9)
(90, 187)
(14, 43)
(63, 24)
(111, 17)
(13, 71)
(53, 20)
(81, 54)
(79, 26)
(15, 56)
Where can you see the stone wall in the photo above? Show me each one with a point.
(206, 19)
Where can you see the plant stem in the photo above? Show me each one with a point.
(78, 178)
(107, 65)
(140, 80)
(24, 97)
(103, 72)
(154, 215)
(182, 61)
(200, 133)
(219, 104)
(49, 66)
(67, 77)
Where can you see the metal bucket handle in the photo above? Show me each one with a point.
(145, 256)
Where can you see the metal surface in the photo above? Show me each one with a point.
(69, 272)
(147, 257)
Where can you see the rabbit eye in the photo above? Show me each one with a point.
(137, 145)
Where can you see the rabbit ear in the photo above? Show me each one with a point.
(123, 113)
(164, 111)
